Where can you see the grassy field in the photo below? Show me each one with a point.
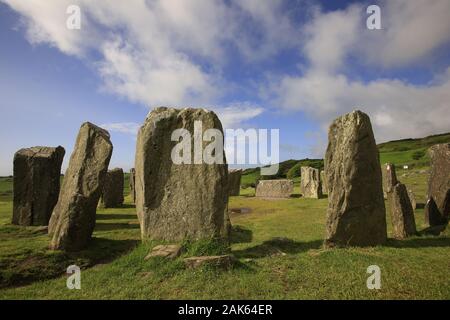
(278, 246)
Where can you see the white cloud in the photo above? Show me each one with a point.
(122, 127)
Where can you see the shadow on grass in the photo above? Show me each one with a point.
(241, 235)
(419, 243)
(45, 264)
(115, 226)
(116, 216)
(277, 246)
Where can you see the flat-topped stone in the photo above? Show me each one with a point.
(282, 188)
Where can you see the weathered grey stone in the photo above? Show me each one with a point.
(356, 214)
(234, 182)
(402, 213)
(133, 185)
(223, 261)
(170, 251)
(412, 199)
(112, 191)
(281, 188)
(323, 182)
(73, 218)
(37, 173)
(389, 178)
(437, 209)
(179, 201)
(311, 187)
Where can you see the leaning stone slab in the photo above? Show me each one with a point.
(73, 219)
(234, 182)
(402, 213)
(37, 173)
(112, 191)
(133, 185)
(223, 261)
(437, 209)
(177, 201)
(170, 251)
(356, 214)
(389, 178)
(311, 186)
(282, 188)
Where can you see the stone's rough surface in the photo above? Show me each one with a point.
(170, 251)
(73, 218)
(323, 181)
(389, 178)
(275, 188)
(311, 187)
(234, 182)
(178, 201)
(37, 173)
(402, 213)
(223, 261)
(437, 209)
(412, 199)
(112, 191)
(356, 213)
(133, 185)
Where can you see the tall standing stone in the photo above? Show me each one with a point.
(437, 209)
(112, 191)
(311, 186)
(412, 199)
(37, 173)
(133, 185)
(73, 219)
(356, 213)
(402, 213)
(324, 182)
(234, 182)
(184, 200)
(389, 178)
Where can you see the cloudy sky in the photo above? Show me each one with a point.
(291, 65)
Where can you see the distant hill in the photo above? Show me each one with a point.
(411, 152)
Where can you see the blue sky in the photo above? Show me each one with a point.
(291, 65)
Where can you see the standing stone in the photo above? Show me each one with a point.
(234, 182)
(356, 213)
(311, 187)
(389, 179)
(282, 188)
(412, 199)
(323, 181)
(437, 209)
(402, 213)
(37, 173)
(176, 201)
(112, 191)
(73, 219)
(133, 185)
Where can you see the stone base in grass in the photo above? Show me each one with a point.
(170, 251)
(223, 261)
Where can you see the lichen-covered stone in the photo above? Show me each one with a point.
(112, 191)
(402, 213)
(311, 186)
(73, 219)
(389, 178)
(282, 188)
(323, 182)
(37, 173)
(234, 182)
(356, 214)
(179, 201)
(132, 183)
(437, 209)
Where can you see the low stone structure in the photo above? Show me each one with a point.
(73, 219)
(37, 174)
(402, 213)
(356, 214)
(112, 191)
(170, 251)
(437, 209)
(179, 201)
(389, 178)
(132, 183)
(224, 261)
(311, 186)
(234, 182)
(282, 188)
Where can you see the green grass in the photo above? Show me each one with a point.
(278, 247)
